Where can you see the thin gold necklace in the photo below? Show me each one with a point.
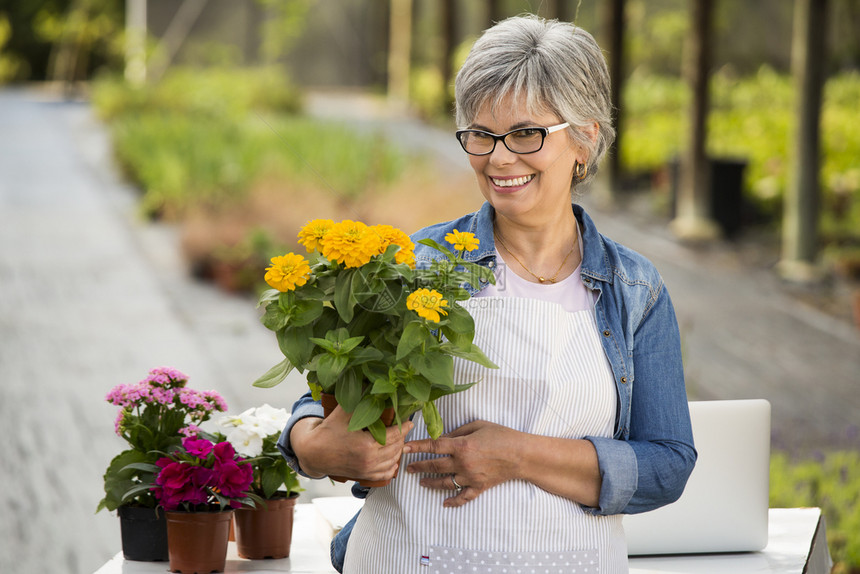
(540, 278)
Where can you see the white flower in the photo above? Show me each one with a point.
(246, 443)
(278, 417)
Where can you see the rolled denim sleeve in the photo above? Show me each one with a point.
(651, 467)
(618, 472)
(305, 407)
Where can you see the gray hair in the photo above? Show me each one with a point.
(557, 66)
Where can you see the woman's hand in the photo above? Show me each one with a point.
(478, 455)
(326, 447)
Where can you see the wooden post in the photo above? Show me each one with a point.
(801, 207)
(135, 42)
(693, 218)
(399, 52)
(614, 26)
(449, 35)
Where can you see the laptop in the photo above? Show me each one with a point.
(724, 507)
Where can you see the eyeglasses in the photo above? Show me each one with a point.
(521, 141)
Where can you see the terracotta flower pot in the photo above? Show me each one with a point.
(265, 531)
(197, 541)
(329, 403)
(144, 533)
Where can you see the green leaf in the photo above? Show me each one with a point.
(275, 317)
(364, 355)
(418, 387)
(268, 296)
(143, 466)
(377, 431)
(329, 368)
(275, 375)
(474, 354)
(368, 410)
(271, 480)
(329, 346)
(296, 345)
(383, 386)
(414, 334)
(344, 299)
(306, 311)
(438, 368)
(134, 491)
(438, 392)
(460, 329)
(349, 344)
(348, 390)
(432, 420)
(431, 243)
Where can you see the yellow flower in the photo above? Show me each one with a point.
(463, 240)
(312, 233)
(288, 272)
(393, 236)
(428, 303)
(350, 242)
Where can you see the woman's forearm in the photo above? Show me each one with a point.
(566, 467)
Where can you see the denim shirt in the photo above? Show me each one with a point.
(647, 462)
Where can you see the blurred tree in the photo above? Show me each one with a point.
(9, 63)
(84, 29)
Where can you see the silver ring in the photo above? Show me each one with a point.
(457, 487)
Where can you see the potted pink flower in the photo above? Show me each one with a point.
(199, 484)
(153, 416)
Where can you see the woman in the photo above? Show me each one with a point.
(587, 416)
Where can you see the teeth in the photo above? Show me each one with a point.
(512, 182)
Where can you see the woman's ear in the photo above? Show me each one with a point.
(591, 131)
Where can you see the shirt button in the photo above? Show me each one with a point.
(623, 380)
(587, 279)
(491, 264)
(607, 333)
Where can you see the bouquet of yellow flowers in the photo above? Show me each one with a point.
(367, 326)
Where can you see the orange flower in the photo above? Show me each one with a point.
(350, 242)
(288, 272)
(312, 233)
(393, 236)
(463, 240)
(428, 303)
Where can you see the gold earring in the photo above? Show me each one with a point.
(580, 170)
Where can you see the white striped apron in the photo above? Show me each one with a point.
(553, 380)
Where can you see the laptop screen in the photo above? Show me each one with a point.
(724, 507)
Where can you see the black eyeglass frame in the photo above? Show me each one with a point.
(544, 131)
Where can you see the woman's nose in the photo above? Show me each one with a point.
(501, 155)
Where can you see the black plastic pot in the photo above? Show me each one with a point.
(144, 533)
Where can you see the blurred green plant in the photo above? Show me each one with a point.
(832, 483)
(752, 118)
(9, 63)
(206, 136)
(84, 31)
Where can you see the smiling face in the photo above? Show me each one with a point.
(529, 189)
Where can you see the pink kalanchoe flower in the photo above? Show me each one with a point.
(215, 400)
(190, 431)
(117, 424)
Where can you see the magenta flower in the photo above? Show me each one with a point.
(199, 473)
(224, 452)
(197, 447)
(234, 479)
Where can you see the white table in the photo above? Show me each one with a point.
(797, 543)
